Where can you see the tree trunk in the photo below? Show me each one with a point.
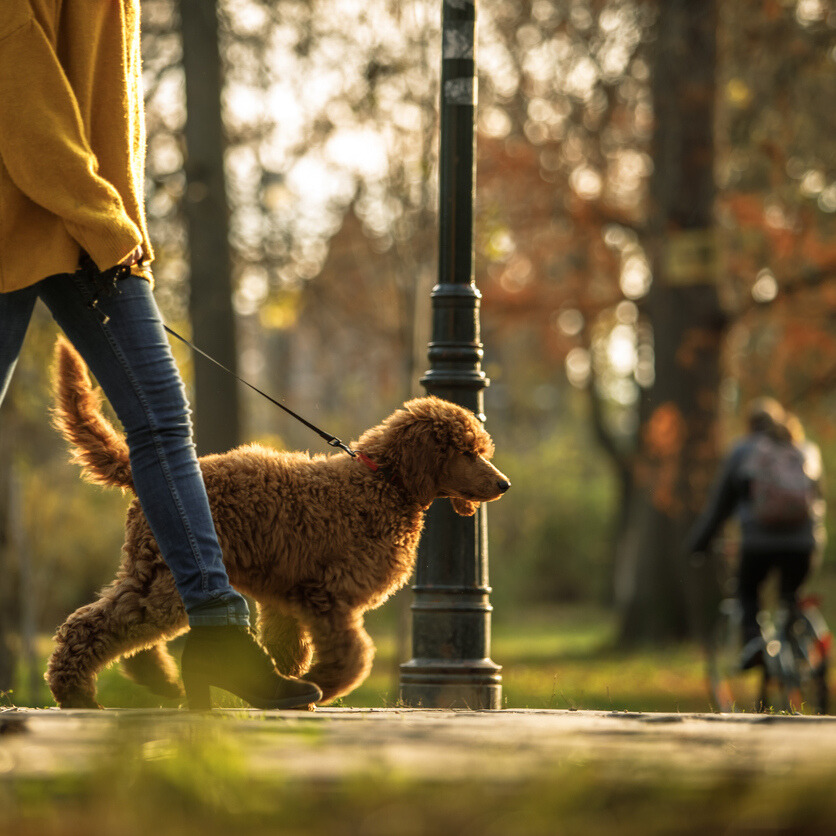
(655, 588)
(207, 213)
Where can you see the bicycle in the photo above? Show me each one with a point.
(793, 676)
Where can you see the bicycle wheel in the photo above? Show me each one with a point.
(806, 684)
(729, 688)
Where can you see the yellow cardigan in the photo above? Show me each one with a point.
(72, 137)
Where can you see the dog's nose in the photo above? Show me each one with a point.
(503, 485)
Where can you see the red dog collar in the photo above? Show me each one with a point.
(368, 462)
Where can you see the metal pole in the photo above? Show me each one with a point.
(451, 665)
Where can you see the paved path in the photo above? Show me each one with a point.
(508, 745)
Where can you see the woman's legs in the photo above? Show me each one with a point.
(754, 568)
(126, 348)
(794, 569)
(15, 312)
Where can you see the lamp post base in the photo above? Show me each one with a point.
(435, 683)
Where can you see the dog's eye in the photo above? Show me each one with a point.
(471, 456)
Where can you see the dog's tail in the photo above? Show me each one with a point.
(101, 451)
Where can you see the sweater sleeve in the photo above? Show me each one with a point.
(722, 503)
(44, 147)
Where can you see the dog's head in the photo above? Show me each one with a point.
(437, 449)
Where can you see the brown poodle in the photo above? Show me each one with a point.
(315, 541)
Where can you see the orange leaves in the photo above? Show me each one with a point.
(664, 437)
(746, 208)
(696, 341)
(664, 433)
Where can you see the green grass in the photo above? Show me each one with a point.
(567, 801)
(556, 657)
(552, 658)
(564, 658)
(568, 659)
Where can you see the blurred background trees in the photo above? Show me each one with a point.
(656, 209)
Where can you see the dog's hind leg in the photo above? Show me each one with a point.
(154, 668)
(344, 652)
(284, 638)
(130, 615)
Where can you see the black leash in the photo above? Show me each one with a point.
(332, 440)
(105, 283)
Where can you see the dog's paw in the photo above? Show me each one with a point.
(79, 702)
(169, 690)
(311, 707)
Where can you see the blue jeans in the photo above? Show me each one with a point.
(132, 361)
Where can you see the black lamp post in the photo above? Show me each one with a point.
(451, 665)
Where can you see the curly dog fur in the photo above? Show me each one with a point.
(315, 541)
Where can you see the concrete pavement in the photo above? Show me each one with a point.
(508, 745)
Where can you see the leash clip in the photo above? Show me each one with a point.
(335, 442)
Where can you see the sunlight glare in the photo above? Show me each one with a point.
(361, 150)
(621, 350)
(765, 288)
(635, 277)
(578, 367)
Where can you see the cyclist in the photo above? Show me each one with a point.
(784, 541)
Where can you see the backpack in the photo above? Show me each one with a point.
(780, 490)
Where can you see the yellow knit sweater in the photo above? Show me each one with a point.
(72, 137)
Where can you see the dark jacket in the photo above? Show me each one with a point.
(731, 495)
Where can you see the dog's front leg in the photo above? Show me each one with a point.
(344, 652)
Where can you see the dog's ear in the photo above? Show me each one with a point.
(419, 461)
(464, 507)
